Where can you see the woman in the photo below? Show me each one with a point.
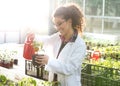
(67, 47)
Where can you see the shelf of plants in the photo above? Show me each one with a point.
(103, 68)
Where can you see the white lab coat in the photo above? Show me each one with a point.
(68, 64)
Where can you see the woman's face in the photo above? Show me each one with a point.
(62, 25)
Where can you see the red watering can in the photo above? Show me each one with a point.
(96, 55)
(28, 50)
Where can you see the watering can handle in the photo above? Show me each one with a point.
(30, 37)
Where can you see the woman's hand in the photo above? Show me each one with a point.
(41, 59)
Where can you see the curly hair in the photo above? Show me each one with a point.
(72, 11)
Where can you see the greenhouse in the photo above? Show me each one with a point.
(60, 43)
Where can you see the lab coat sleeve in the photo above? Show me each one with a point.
(68, 67)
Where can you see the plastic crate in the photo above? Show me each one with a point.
(94, 75)
(107, 72)
(95, 80)
(87, 80)
(37, 72)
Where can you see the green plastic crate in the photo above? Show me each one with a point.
(92, 69)
(94, 75)
(96, 80)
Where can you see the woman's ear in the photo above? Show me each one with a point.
(70, 20)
